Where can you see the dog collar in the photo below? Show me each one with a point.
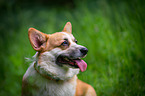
(45, 75)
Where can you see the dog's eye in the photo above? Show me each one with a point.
(76, 41)
(65, 43)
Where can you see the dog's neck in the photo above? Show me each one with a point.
(56, 74)
(45, 75)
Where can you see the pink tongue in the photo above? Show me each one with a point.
(81, 64)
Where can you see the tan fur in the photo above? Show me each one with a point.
(42, 78)
(84, 89)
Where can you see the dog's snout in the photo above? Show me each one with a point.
(84, 50)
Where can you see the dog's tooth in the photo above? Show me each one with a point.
(66, 59)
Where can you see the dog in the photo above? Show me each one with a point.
(56, 65)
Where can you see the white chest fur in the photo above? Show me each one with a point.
(47, 87)
(53, 88)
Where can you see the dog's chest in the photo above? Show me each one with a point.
(53, 88)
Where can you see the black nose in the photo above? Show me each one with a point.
(84, 50)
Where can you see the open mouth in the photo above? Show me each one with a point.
(75, 63)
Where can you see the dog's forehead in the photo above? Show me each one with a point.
(62, 35)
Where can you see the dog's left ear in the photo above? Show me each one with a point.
(37, 39)
(68, 27)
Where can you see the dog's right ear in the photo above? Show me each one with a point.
(67, 27)
(37, 39)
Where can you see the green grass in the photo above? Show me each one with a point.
(112, 31)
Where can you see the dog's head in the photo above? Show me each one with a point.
(59, 49)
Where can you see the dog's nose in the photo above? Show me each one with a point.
(84, 50)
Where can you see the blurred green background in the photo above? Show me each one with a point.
(112, 30)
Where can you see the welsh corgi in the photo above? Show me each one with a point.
(56, 65)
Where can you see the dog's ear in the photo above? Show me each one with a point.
(67, 27)
(37, 39)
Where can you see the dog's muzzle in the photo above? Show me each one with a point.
(72, 59)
